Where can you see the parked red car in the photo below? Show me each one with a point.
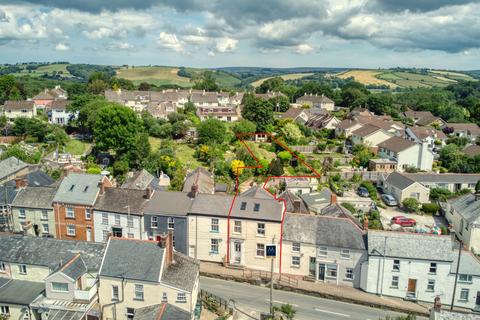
(403, 221)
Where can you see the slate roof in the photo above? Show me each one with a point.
(182, 273)
(472, 150)
(10, 166)
(444, 177)
(472, 128)
(78, 188)
(315, 198)
(59, 104)
(163, 311)
(169, 203)
(204, 97)
(203, 178)
(119, 200)
(19, 292)
(35, 197)
(38, 178)
(133, 259)
(321, 230)
(366, 130)
(406, 245)
(256, 192)
(140, 180)
(467, 207)
(49, 252)
(219, 205)
(396, 144)
(425, 132)
(9, 193)
(469, 264)
(290, 199)
(18, 105)
(75, 268)
(347, 123)
(399, 180)
(293, 113)
(336, 210)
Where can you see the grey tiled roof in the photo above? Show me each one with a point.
(219, 205)
(133, 259)
(78, 188)
(467, 207)
(141, 180)
(169, 203)
(314, 98)
(10, 166)
(18, 105)
(121, 200)
(203, 178)
(444, 177)
(336, 210)
(417, 246)
(256, 192)
(469, 264)
(182, 273)
(366, 130)
(290, 199)
(8, 193)
(35, 197)
(164, 311)
(396, 144)
(19, 292)
(49, 252)
(399, 180)
(75, 268)
(315, 198)
(321, 230)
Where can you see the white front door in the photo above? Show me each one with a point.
(191, 251)
(237, 252)
(89, 234)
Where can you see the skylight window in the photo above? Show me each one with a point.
(72, 187)
(86, 189)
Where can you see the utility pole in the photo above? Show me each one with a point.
(456, 274)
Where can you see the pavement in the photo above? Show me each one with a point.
(251, 301)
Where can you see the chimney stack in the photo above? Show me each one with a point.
(148, 192)
(194, 190)
(101, 185)
(166, 242)
(296, 206)
(333, 198)
(20, 183)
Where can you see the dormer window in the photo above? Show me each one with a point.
(256, 207)
(243, 206)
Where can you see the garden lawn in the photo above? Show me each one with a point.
(76, 147)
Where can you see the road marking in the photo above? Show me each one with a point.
(331, 312)
(281, 302)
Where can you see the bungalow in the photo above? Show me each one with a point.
(402, 187)
(463, 213)
(406, 153)
(454, 182)
(317, 103)
(424, 118)
(327, 249)
(369, 135)
(139, 273)
(19, 109)
(299, 115)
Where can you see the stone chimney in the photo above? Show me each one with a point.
(194, 190)
(166, 242)
(148, 192)
(296, 205)
(333, 198)
(20, 183)
(101, 186)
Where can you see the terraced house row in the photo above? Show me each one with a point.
(323, 244)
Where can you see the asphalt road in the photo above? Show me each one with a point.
(254, 299)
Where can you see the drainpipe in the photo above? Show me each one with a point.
(114, 304)
(456, 275)
(383, 266)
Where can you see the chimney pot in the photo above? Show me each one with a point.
(148, 192)
(296, 206)
(166, 242)
(101, 186)
(365, 222)
(194, 190)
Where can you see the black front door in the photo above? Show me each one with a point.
(477, 300)
(321, 272)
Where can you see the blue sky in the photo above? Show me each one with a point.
(440, 34)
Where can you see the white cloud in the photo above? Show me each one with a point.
(121, 46)
(304, 48)
(62, 47)
(170, 41)
(226, 44)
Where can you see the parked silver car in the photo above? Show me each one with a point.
(389, 200)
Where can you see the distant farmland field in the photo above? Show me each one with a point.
(366, 77)
(290, 76)
(155, 75)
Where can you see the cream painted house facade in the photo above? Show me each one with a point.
(402, 187)
(239, 240)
